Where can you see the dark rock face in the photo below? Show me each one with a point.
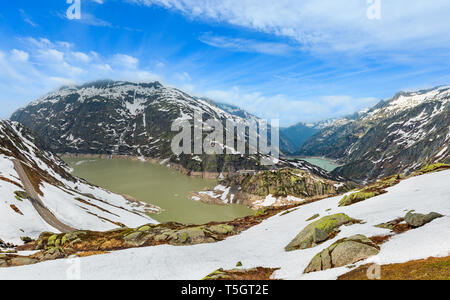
(418, 220)
(397, 136)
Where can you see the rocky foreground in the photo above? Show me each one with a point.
(322, 239)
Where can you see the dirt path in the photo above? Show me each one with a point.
(37, 203)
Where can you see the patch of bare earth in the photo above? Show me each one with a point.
(432, 268)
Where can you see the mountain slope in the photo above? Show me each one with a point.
(273, 188)
(39, 194)
(125, 118)
(264, 243)
(296, 136)
(397, 136)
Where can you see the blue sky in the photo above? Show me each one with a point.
(296, 60)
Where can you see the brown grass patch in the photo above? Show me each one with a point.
(11, 181)
(96, 206)
(90, 253)
(402, 227)
(14, 208)
(425, 269)
(380, 239)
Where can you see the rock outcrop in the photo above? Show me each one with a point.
(277, 188)
(319, 231)
(343, 252)
(418, 220)
(258, 273)
(371, 191)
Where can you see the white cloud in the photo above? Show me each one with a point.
(183, 77)
(288, 110)
(246, 45)
(18, 55)
(323, 26)
(126, 61)
(50, 56)
(26, 18)
(81, 57)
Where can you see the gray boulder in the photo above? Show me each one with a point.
(319, 231)
(418, 220)
(343, 252)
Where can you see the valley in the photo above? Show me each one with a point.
(359, 192)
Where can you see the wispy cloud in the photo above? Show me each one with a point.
(26, 18)
(247, 45)
(327, 26)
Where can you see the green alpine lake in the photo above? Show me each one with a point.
(158, 185)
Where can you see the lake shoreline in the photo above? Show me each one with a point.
(331, 160)
(158, 161)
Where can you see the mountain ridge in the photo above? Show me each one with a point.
(135, 119)
(398, 135)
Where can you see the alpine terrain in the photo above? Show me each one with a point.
(39, 194)
(400, 135)
(135, 119)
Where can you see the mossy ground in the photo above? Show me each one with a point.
(431, 168)
(424, 269)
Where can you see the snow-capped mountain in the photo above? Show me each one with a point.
(125, 118)
(39, 194)
(399, 135)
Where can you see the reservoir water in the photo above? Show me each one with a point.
(326, 164)
(158, 185)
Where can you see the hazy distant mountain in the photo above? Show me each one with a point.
(297, 135)
(398, 135)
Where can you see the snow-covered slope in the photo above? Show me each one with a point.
(71, 200)
(263, 245)
(397, 136)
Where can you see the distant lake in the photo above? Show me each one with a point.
(326, 164)
(158, 185)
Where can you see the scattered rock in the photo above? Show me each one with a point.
(22, 261)
(3, 263)
(51, 254)
(373, 190)
(221, 229)
(343, 252)
(398, 225)
(258, 273)
(355, 198)
(137, 238)
(5, 245)
(418, 220)
(26, 239)
(319, 231)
